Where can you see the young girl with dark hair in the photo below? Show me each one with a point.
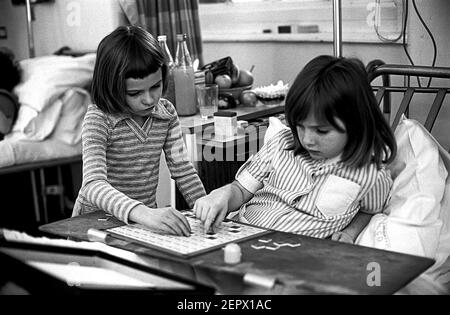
(126, 130)
(324, 172)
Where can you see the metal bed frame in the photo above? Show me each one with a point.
(378, 68)
(41, 189)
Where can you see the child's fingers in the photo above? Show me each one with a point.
(214, 219)
(183, 229)
(207, 224)
(169, 228)
(177, 222)
(183, 223)
(336, 236)
(209, 220)
(199, 211)
(220, 217)
(342, 237)
(195, 208)
(180, 228)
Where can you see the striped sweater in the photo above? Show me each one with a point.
(121, 161)
(298, 194)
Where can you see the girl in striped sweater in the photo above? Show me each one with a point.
(324, 173)
(126, 130)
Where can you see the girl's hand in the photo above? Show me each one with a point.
(161, 220)
(342, 237)
(212, 209)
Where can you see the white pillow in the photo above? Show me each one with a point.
(61, 120)
(44, 80)
(68, 128)
(414, 220)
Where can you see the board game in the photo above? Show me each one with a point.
(199, 241)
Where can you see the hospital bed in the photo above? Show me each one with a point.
(416, 216)
(41, 157)
(416, 219)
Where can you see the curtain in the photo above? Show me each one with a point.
(168, 17)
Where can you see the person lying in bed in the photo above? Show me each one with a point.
(10, 76)
(323, 174)
(125, 132)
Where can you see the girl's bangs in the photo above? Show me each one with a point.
(325, 104)
(140, 64)
(312, 102)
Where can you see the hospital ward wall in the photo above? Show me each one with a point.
(75, 23)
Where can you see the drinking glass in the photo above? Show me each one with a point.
(207, 99)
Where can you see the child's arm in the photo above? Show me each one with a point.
(96, 188)
(213, 208)
(181, 169)
(101, 194)
(351, 232)
(372, 203)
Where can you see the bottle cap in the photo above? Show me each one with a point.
(181, 37)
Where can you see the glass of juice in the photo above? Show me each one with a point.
(207, 99)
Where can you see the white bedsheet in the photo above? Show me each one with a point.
(20, 152)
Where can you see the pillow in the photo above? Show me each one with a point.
(74, 106)
(44, 80)
(416, 218)
(60, 121)
(33, 125)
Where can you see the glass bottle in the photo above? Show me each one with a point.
(184, 79)
(170, 89)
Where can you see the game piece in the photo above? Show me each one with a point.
(258, 247)
(272, 248)
(232, 253)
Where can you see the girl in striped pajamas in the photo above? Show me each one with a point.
(125, 132)
(325, 175)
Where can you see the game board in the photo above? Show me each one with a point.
(199, 241)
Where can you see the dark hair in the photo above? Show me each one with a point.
(11, 72)
(330, 88)
(128, 52)
(10, 76)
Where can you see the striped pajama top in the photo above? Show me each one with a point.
(121, 161)
(298, 194)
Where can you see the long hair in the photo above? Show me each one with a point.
(330, 88)
(128, 52)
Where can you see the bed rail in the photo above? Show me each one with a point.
(378, 68)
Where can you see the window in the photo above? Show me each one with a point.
(300, 20)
